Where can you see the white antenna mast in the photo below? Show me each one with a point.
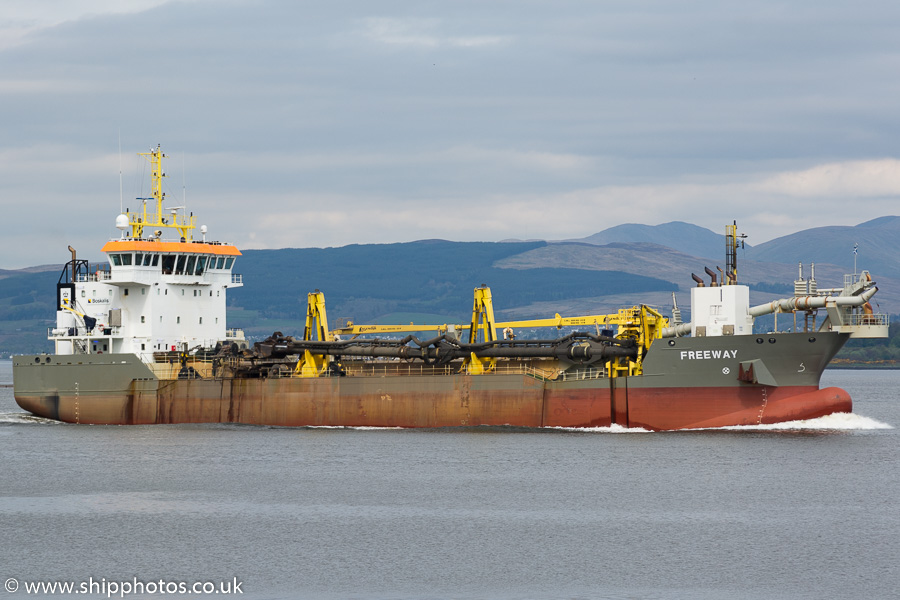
(121, 202)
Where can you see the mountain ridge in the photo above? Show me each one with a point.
(529, 279)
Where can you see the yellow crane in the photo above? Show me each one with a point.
(641, 323)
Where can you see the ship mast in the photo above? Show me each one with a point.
(732, 241)
(183, 224)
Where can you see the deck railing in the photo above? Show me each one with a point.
(93, 277)
(81, 332)
(167, 365)
(864, 319)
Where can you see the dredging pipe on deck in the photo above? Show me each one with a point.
(787, 305)
(577, 347)
(811, 302)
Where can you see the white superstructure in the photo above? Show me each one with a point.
(154, 295)
(721, 310)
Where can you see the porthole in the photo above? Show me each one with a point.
(771, 340)
(812, 340)
(671, 342)
(759, 340)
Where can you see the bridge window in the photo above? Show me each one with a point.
(147, 259)
(221, 262)
(191, 261)
(116, 260)
(126, 259)
(168, 264)
(138, 259)
(179, 268)
(228, 263)
(155, 259)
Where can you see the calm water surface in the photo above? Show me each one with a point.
(810, 511)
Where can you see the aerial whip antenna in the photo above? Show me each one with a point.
(121, 202)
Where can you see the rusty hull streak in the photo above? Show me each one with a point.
(322, 402)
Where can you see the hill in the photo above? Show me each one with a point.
(684, 237)
(364, 282)
(433, 279)
(834, 245)
(27, 309)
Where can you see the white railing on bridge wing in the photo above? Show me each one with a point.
(237, 278)
(81, 332)
(93, 277)
(864, 319)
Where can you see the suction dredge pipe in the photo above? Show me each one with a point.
(787, 305)
(811, 302)
(579, 347)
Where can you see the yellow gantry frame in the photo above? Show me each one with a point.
(483, 323)
(310, 364)
(641, 323)
(183, 224)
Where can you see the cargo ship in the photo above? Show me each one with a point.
(142, 339)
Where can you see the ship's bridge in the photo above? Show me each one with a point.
(186, 263)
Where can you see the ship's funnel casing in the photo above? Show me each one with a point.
(722, 310)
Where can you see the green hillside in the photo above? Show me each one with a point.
(875, 241)
(364, 282)
(429, 280)
(361, 282)
(27, 309)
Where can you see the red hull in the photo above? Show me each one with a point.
(674, 408)
(323, 403)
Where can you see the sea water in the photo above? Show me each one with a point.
(805, 510)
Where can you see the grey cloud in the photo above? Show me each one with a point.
(444, 106)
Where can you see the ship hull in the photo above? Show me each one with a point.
(687, 383)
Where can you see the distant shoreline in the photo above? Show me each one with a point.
(881, 366)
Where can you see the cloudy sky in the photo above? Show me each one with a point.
(298, 124)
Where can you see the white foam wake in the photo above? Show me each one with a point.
(832, 422)
(614, 428)
(355, 428)
(19, 418)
